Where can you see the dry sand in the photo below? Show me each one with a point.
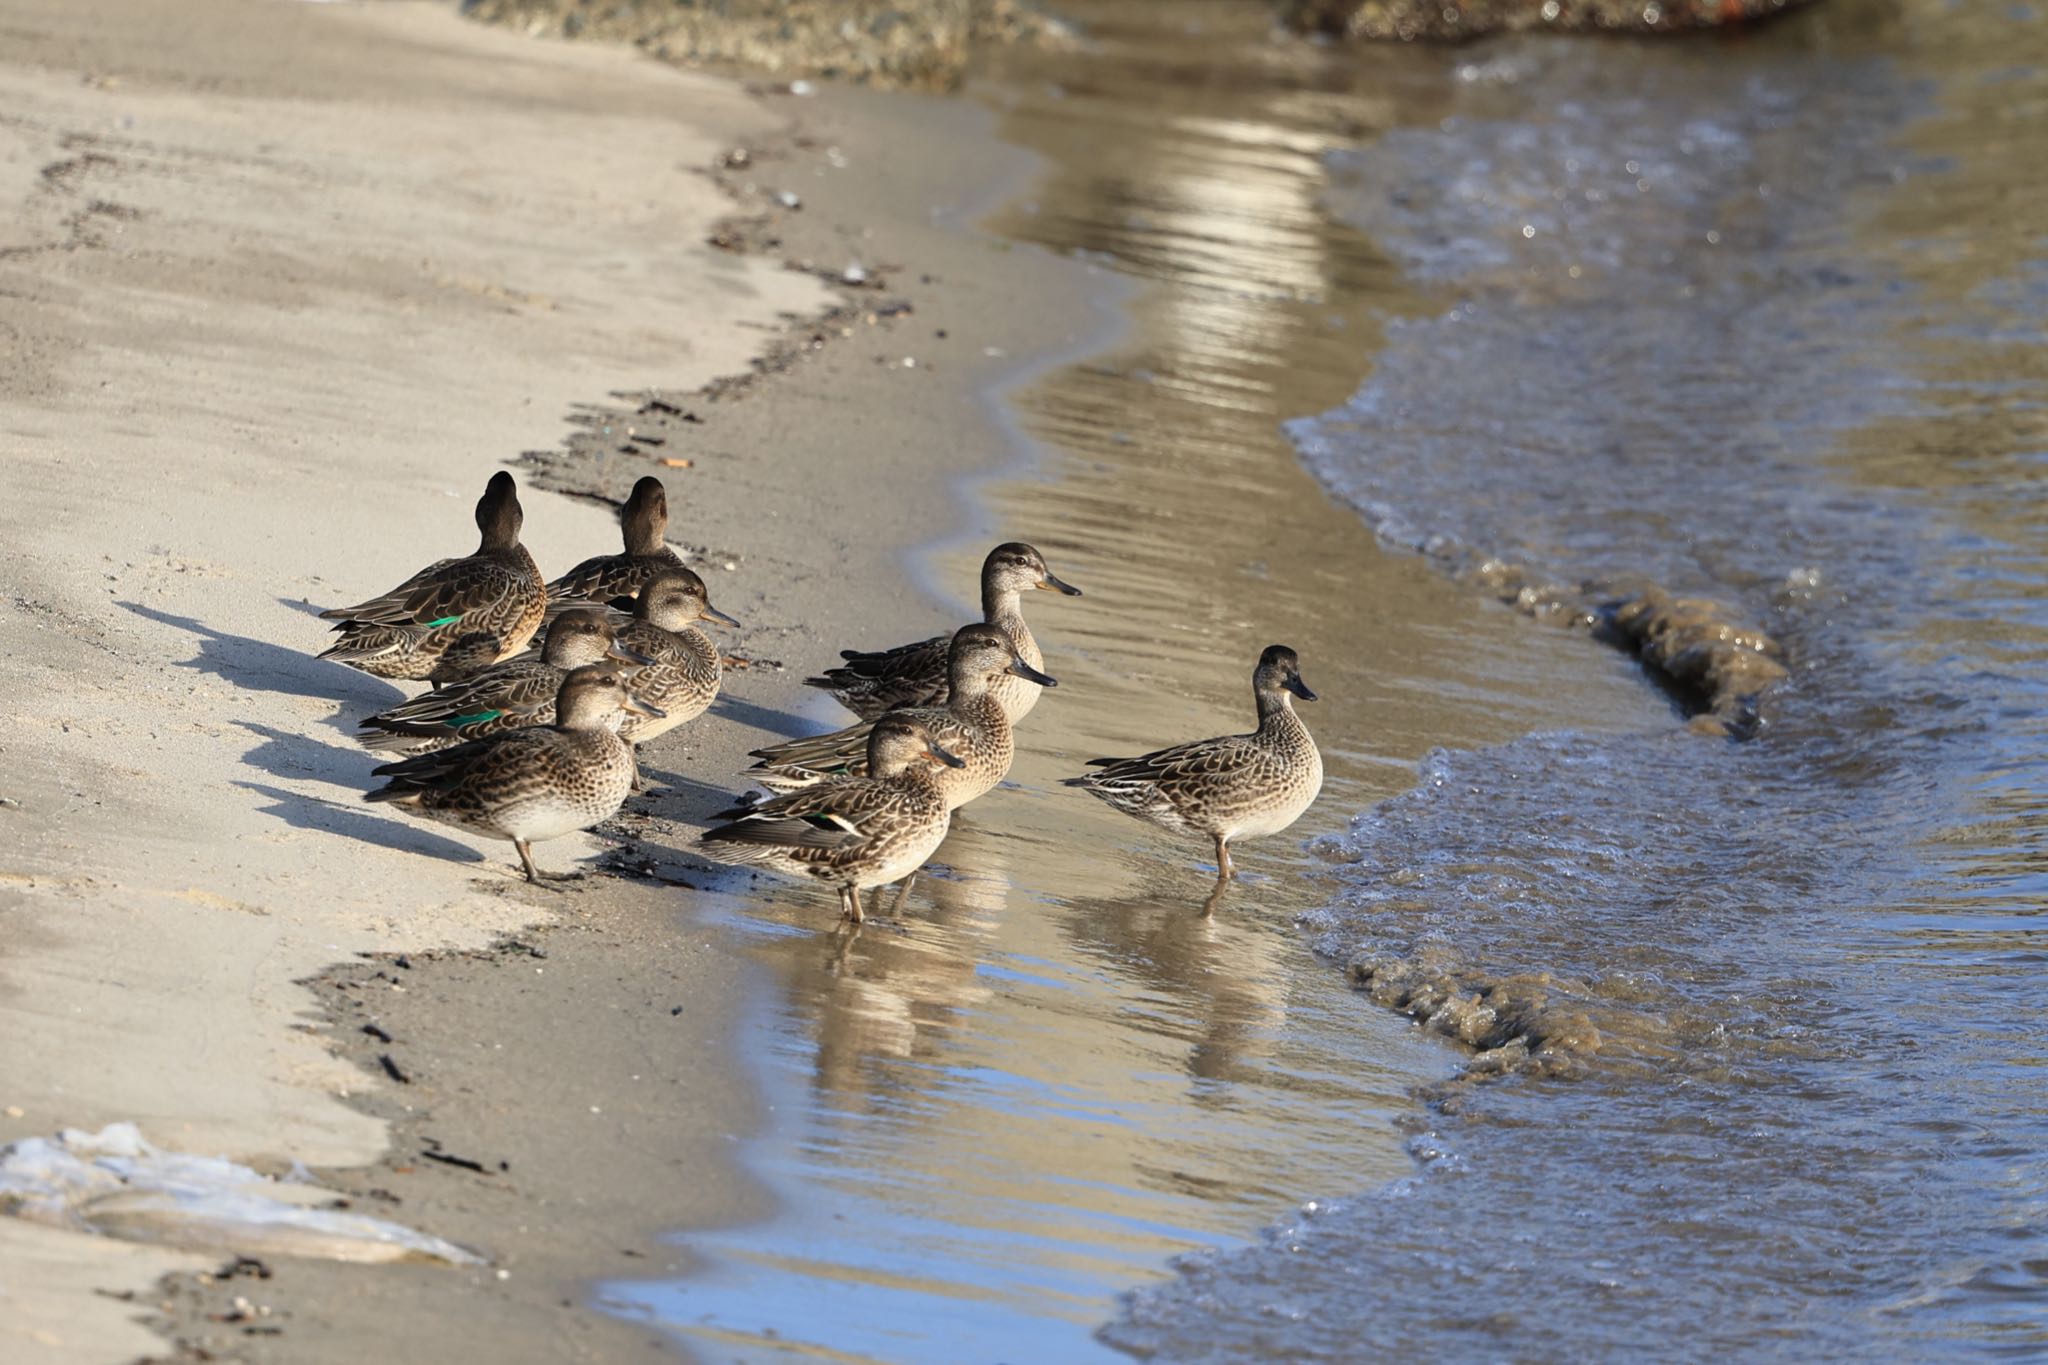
(284, 284)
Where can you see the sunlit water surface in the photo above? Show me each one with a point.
(1760, 320)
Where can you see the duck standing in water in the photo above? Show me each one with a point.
(528, 785)
(869, 684)
(507, 696)
(971, 724)
(850, 832)
(455, 616)
(1231, 787)
(616, 580)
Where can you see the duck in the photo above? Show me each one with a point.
(869, 684)
(508, 696)
(616, 580)
(972, 724)
(852, 832)
(456, 615)
(531, 784)
(680, 672)
(1234, 787)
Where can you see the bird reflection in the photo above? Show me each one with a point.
(889, 991)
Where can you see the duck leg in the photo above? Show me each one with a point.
(904, 895)
(526, 859)
(1224, 868)
(853, 911)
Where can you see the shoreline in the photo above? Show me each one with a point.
(453, 1091)
(808, 496)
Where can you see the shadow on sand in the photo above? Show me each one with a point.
(352, 822)
(259, 664)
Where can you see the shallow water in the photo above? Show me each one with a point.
(1761, 323)
(1812, 1123)
(1054, 1073)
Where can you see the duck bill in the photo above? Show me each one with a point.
(1052, 584)
(711, 613)
(631, 656)
(945, 756)
(645, 708)
(1024, 670)
(1299, 689)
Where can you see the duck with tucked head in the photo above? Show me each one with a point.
(1229, 788)
(528, 785)
(851, 833)
(455, 616)
(507, 696)
(971, 724)
(869, 684)
(616, 580)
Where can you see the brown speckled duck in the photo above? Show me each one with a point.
(972, 724)
(1232, 787)
(682, 672)
(532, 784)
(455, 616)
(617, 579)
(851, 833)
(869, 684)
(507, 696)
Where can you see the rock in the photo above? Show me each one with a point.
(1460, 20)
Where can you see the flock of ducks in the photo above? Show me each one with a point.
(526, 744)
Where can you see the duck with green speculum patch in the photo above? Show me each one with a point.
(536, 783)
(507, 696)
(455, 616)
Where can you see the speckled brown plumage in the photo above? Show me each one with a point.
(507, 696)
(456, 615)
(612, 579)
(869, 684)
(849, 832)
(530, 784)
(684, 675)
(972, 724)
(1231, 787)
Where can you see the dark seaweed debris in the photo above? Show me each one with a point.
(1460, 20)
